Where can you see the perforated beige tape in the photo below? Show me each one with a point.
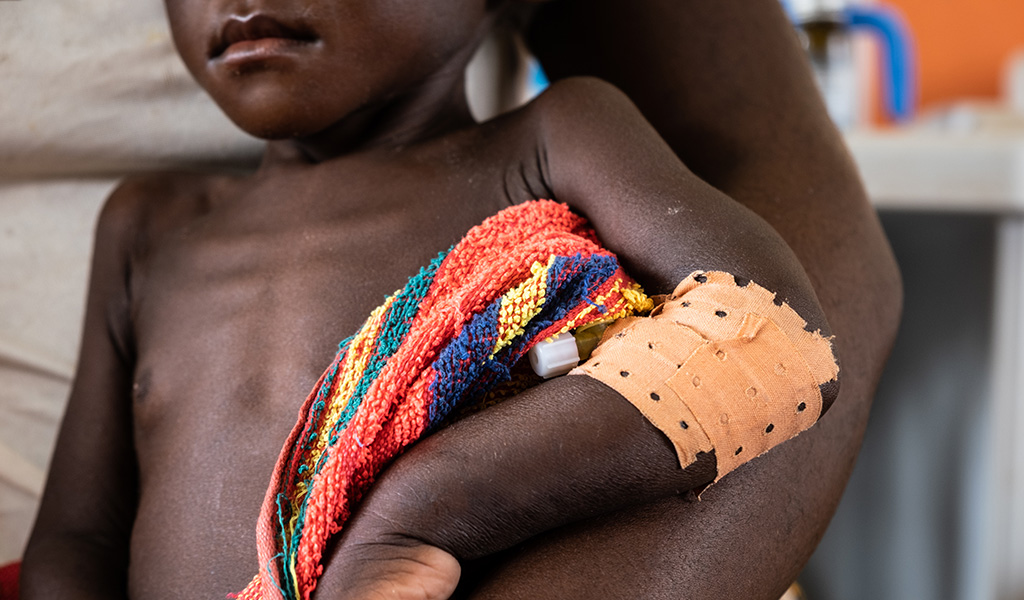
(718, 366)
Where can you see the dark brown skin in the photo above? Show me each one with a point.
(216, 301)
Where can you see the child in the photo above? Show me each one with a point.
(217, 300)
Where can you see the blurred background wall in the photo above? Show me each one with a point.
(933, 510)
(963, 45)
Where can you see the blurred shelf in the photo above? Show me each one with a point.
(946, 171)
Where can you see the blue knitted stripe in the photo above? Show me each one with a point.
(575, 280)
(463, 362)
(464, 369)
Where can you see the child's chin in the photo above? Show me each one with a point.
(272, 116)
(273, 129)
(271, 135)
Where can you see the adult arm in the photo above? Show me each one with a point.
(79, 547)
(570, 448)
(726, 84)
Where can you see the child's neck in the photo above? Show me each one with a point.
(429, 109)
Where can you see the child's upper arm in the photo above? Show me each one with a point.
(604, 159)
(98, 419)
(89, 503)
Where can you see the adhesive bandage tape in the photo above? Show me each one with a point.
(719, 367)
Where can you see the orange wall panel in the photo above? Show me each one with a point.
(962, 45)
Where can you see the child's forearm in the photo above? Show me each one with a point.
(564, 451)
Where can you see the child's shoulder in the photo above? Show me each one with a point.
(584, 93)
(585, 122)
(142, 205)
(576, 102)
(577, 126)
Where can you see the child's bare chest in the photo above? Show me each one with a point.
(236, 314)
(256, 293)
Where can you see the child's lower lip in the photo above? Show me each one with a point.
(263, 48)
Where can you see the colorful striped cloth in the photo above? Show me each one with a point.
(448, 337)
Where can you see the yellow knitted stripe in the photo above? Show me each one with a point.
(634, 295)
(631, 301)
(522, 303)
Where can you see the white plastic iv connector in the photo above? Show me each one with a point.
(555, 356)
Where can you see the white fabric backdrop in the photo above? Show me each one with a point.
(91, 86)
(90, 90)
